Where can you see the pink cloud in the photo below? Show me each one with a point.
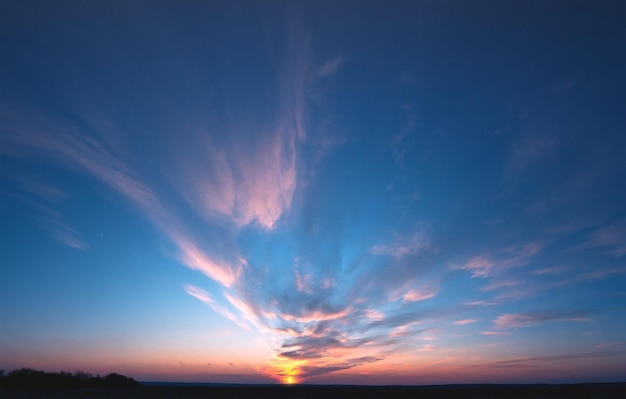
(374, 315)
(316, 315)
(248, 182)
(480, 303)
(427, 348)
(267, 181)
(513, 256)
(479, 267)
(194, 258)
(415, 296)
(199, 294)
(465, 321)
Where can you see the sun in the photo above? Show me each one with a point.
(289, 380)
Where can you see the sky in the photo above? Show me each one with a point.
(347, 192)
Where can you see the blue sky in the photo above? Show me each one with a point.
(382, 193)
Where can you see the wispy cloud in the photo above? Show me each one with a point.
(199, 294)
(192, 256)
(208, 299)
(252, 181)
(403, 246)
(479, 267)
(530, 151)
(465, 321)
(608, 345)
(480, 303)
(612, 237)
(496, 267)
(517, 320)
(549, 270)
(60, 142)
(541, 360)
(402, 141)
(67, 235)
(500, 284)
(51, 220)
(330, 67)
(415, 296)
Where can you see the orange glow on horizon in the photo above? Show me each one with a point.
(286, 371)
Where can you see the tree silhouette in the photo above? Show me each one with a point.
(26, 378)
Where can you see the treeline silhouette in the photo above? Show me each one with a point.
(26, 378)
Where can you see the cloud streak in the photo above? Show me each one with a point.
(59, 142)
(505, 259)
(612, 236)
(532, 319)
(402, 247)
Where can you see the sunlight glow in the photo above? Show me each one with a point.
(287, 371)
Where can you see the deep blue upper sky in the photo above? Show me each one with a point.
(382, 192)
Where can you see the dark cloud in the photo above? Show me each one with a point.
(311, 371)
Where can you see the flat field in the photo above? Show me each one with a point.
(216, 391)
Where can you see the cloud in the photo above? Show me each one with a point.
(330, 67)
(51, 220)
(268, 181)
(415, 296)
(465, 321)
(612, 236)
(500, 284)
(608, 345)
(479, 267)
(245, 182)
(326, 144)
(402, 142)
(539, 360)
(530, 151)
(496, 265)
(68, 236)
(403, 246)
(208, 299)
(480, 303)
(55, 223)
(60, 142)
(194, 258)
(316, 315)
(200, 294)
(549, 270)
(518, 320)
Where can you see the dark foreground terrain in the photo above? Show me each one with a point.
(198, 391)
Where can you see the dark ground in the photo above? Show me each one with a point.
(198, 391)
